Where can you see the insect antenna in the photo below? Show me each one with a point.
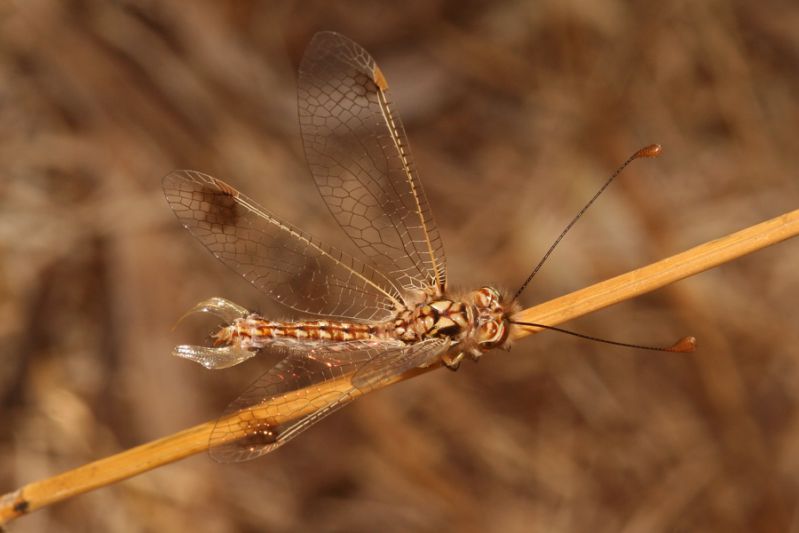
(653, 150)
(684, 345)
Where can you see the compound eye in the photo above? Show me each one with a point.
(488, 297)
(490, 332)
(494, 294)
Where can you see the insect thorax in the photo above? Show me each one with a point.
(473, 323)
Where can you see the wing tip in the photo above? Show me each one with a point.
(180, 174)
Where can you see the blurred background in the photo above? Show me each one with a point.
(516, 113)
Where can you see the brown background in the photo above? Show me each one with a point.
(516, 112)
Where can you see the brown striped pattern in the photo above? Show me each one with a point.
(257, 332)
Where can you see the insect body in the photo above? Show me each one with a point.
(374, 318)
(468, 327)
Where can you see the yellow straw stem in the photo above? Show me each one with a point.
(654, 276)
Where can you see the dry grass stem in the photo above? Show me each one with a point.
(193, 440)
(642, 280)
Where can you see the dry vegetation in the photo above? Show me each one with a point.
(515, 112)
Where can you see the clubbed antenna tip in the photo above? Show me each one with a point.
(653, 150)
(684, 345)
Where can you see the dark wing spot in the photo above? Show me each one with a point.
(259, 433)
(219, 207)
(21, 506)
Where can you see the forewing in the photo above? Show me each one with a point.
(289, 265)
(298, 392)
(358, 154)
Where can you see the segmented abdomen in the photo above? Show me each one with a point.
(256, 332)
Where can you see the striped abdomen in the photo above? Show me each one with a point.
(255, 332)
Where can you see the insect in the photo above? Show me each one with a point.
(374, 318)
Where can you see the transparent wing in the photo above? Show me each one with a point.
(381, 369)
(359, 157)
(287, 264)
(310, 386)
